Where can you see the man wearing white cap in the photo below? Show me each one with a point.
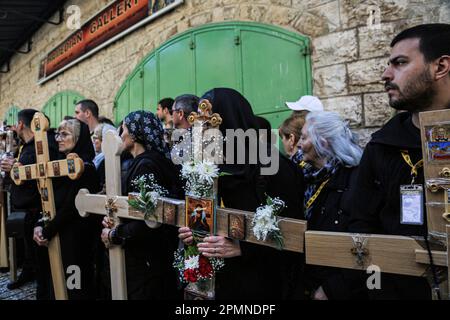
(308, 103)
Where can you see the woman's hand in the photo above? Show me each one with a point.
(185, 235)
(39, 238)
(105, 237)
(219, 247)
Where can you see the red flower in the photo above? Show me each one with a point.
(205, 268)
(190, 275)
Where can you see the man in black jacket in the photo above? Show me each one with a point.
(26, 197)
(417, 79)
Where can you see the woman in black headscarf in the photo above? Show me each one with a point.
(251, 271)
(148, 252)
(76, 233)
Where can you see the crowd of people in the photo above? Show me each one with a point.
(324, 176)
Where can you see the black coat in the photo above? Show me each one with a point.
(258, 273)
(331, 212)
(376, 200)
(262, 272)
(149, 252)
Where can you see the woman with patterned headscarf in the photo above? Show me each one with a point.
(148, 252)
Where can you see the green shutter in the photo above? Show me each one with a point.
(265, 63)
(150, 84)
(11, 115)
(137, 90)
(216, 60)
(176, 68)
(122, 104)
(60, 105)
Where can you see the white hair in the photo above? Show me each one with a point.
(332, 139)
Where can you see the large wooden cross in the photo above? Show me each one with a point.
(109, 205)
(396, 254)
(43, 171)
(232, 223)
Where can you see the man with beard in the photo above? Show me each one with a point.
(417, 79)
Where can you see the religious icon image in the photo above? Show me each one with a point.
(169, 216)
(41, 170)
(438, 144)
(16, 173)
(56, 170)
(28, 172)
(40, 149)
(37, 124)
(200, 215)
(44, 193)
(236, 226)
(71, 166)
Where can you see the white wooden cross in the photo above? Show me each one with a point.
(109, 205)
(43, 171)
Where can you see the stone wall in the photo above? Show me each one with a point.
(349, 53)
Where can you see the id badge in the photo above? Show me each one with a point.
(411, 204)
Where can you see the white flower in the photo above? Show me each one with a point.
(264, 222)
(191, 263)
(187, 169)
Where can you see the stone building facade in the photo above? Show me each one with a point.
(350, 44)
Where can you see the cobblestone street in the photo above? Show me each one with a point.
(27, 292)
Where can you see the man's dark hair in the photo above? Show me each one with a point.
(26, 116)
(166, 103)
(89, 104)
(186, 102)
(434, 39)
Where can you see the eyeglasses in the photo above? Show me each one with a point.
(62, 135)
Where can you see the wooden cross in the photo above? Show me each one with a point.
(111, 205)
(43, 171)
(396, 254)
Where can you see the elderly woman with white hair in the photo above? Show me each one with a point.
(332, 155)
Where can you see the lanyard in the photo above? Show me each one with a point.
(314, 197)
(414, 167)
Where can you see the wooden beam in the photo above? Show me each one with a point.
(393, 254)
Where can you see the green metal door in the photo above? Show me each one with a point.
(176, 68)
(60, 105)
(217, 59)
(11, 115)
(267, 64)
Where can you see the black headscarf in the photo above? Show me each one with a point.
(236, 113)
(83, 146)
